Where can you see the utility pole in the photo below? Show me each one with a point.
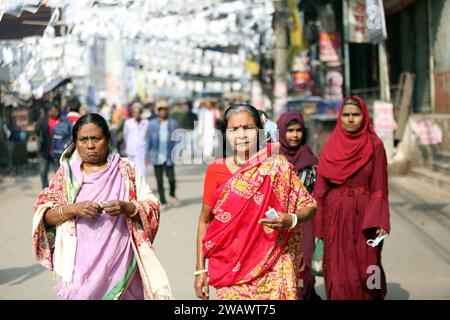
(385, 91)
(281, 53)
(347, 88)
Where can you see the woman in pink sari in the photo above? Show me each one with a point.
(95, 224)
(249, 255)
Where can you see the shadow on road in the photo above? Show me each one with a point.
(396, 292)
(192, 169)
(193, 180)
(20, 275)
(186, 202)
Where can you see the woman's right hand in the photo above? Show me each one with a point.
(86, 209)
(201, 286)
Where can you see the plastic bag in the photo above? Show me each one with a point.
(317, 261)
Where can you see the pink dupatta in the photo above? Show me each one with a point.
(240, 249)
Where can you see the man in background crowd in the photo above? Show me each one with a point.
(44, 130)
(206, 130)
(135, 134)
(160, 152)
(74, 110)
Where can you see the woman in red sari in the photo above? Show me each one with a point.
(251, 256)
(352, 195)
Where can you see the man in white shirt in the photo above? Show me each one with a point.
(135, 133)
(207, 119)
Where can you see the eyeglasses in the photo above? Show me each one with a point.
(235, 130)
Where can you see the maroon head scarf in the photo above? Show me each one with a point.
(302, 155)
(345, 153)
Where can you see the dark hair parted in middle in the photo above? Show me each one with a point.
(235, 108)
(96, 119)
(352, 101)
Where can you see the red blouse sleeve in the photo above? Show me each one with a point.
(210, 184)
(377, 214)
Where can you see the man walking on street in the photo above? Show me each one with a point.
(74, 110)
(44, 130)
(207, 120)
(188, 123)
(135, 133)
(61, 137)
(160, 147)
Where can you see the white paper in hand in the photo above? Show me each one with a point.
(271, 214)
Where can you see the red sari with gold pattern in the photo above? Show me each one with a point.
(245, 259)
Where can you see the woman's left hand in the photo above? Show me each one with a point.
(381, 232)
(283, 222)
(116, 207)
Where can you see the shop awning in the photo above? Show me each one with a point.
(25, 25)
(42, 88)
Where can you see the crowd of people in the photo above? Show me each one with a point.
(269, 203)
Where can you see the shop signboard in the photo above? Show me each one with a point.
(384, 116)
(357, 22)
(384, 124)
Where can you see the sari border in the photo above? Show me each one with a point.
(117, 291)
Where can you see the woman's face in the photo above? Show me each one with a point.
(92, 144)
(351, 118)
(294, 135)
(242, 133)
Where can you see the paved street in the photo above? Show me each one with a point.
(416, 255)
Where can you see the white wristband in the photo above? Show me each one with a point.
(196, 273)
(135, 212)
(294, 220)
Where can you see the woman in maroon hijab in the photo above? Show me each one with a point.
(352, 195)
(292, 145)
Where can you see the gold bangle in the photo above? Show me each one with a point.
(61, 214)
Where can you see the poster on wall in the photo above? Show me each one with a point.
(334, 80)
(357, 22)
(383, 116)
(426, 132)
(330, 46)
(384, 124)
(302, 83)
(301, 75)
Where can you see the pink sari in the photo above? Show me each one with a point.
(111, 258)
(240, 249)
(105, 267)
